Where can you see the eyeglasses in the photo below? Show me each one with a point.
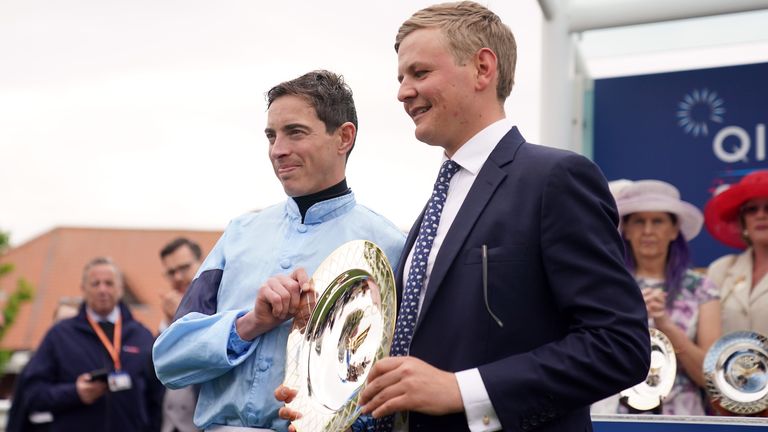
(181, 269)
(753, 209)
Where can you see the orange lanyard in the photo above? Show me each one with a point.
(113, 350)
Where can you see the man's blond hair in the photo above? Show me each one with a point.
(468, 27)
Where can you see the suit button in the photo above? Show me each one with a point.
(524, 425)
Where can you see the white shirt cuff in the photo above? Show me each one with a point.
(481, 417)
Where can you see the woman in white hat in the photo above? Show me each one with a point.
(656, 226)
(738, 217)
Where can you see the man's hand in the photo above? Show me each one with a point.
(89, 391)
(286, 395)
(306, 305)
(277, 301)
(169, 301)
(408, 384)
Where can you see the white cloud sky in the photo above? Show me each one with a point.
(150, 113)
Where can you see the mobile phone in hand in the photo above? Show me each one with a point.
(99, 375)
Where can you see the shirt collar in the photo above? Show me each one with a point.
(323, 210)
(111, 317)
(473, 154)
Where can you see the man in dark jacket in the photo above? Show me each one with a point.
(93, 372)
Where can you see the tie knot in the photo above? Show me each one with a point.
(447, 170)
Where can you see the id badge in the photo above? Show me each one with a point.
(119, 381)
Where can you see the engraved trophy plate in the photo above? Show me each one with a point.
(650, 393)
(329, 356)
(736, 372)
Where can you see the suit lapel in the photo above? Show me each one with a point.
(740, 289)
(760, 287)
(760, 290)
(487, 181)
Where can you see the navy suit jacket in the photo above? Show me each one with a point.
(575, 325)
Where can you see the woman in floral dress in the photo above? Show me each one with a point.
(656, 226)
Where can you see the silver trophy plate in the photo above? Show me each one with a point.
(650, 393)
(736, 372)
(351, 326)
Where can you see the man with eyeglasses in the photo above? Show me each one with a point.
(181, 258)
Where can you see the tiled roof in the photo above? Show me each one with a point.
(53, 264)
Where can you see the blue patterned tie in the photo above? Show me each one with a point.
(409, 304)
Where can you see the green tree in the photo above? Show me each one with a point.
(22, 293)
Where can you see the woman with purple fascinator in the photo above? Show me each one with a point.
(656, 226)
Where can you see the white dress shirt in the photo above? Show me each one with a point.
(481, 416)
(111, 317)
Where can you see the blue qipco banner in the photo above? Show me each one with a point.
(696, 129)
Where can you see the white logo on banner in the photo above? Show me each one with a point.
(702, 107)
(697, 109)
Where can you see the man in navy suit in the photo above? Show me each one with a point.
(527, 314)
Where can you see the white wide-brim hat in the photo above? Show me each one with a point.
(656, 196)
